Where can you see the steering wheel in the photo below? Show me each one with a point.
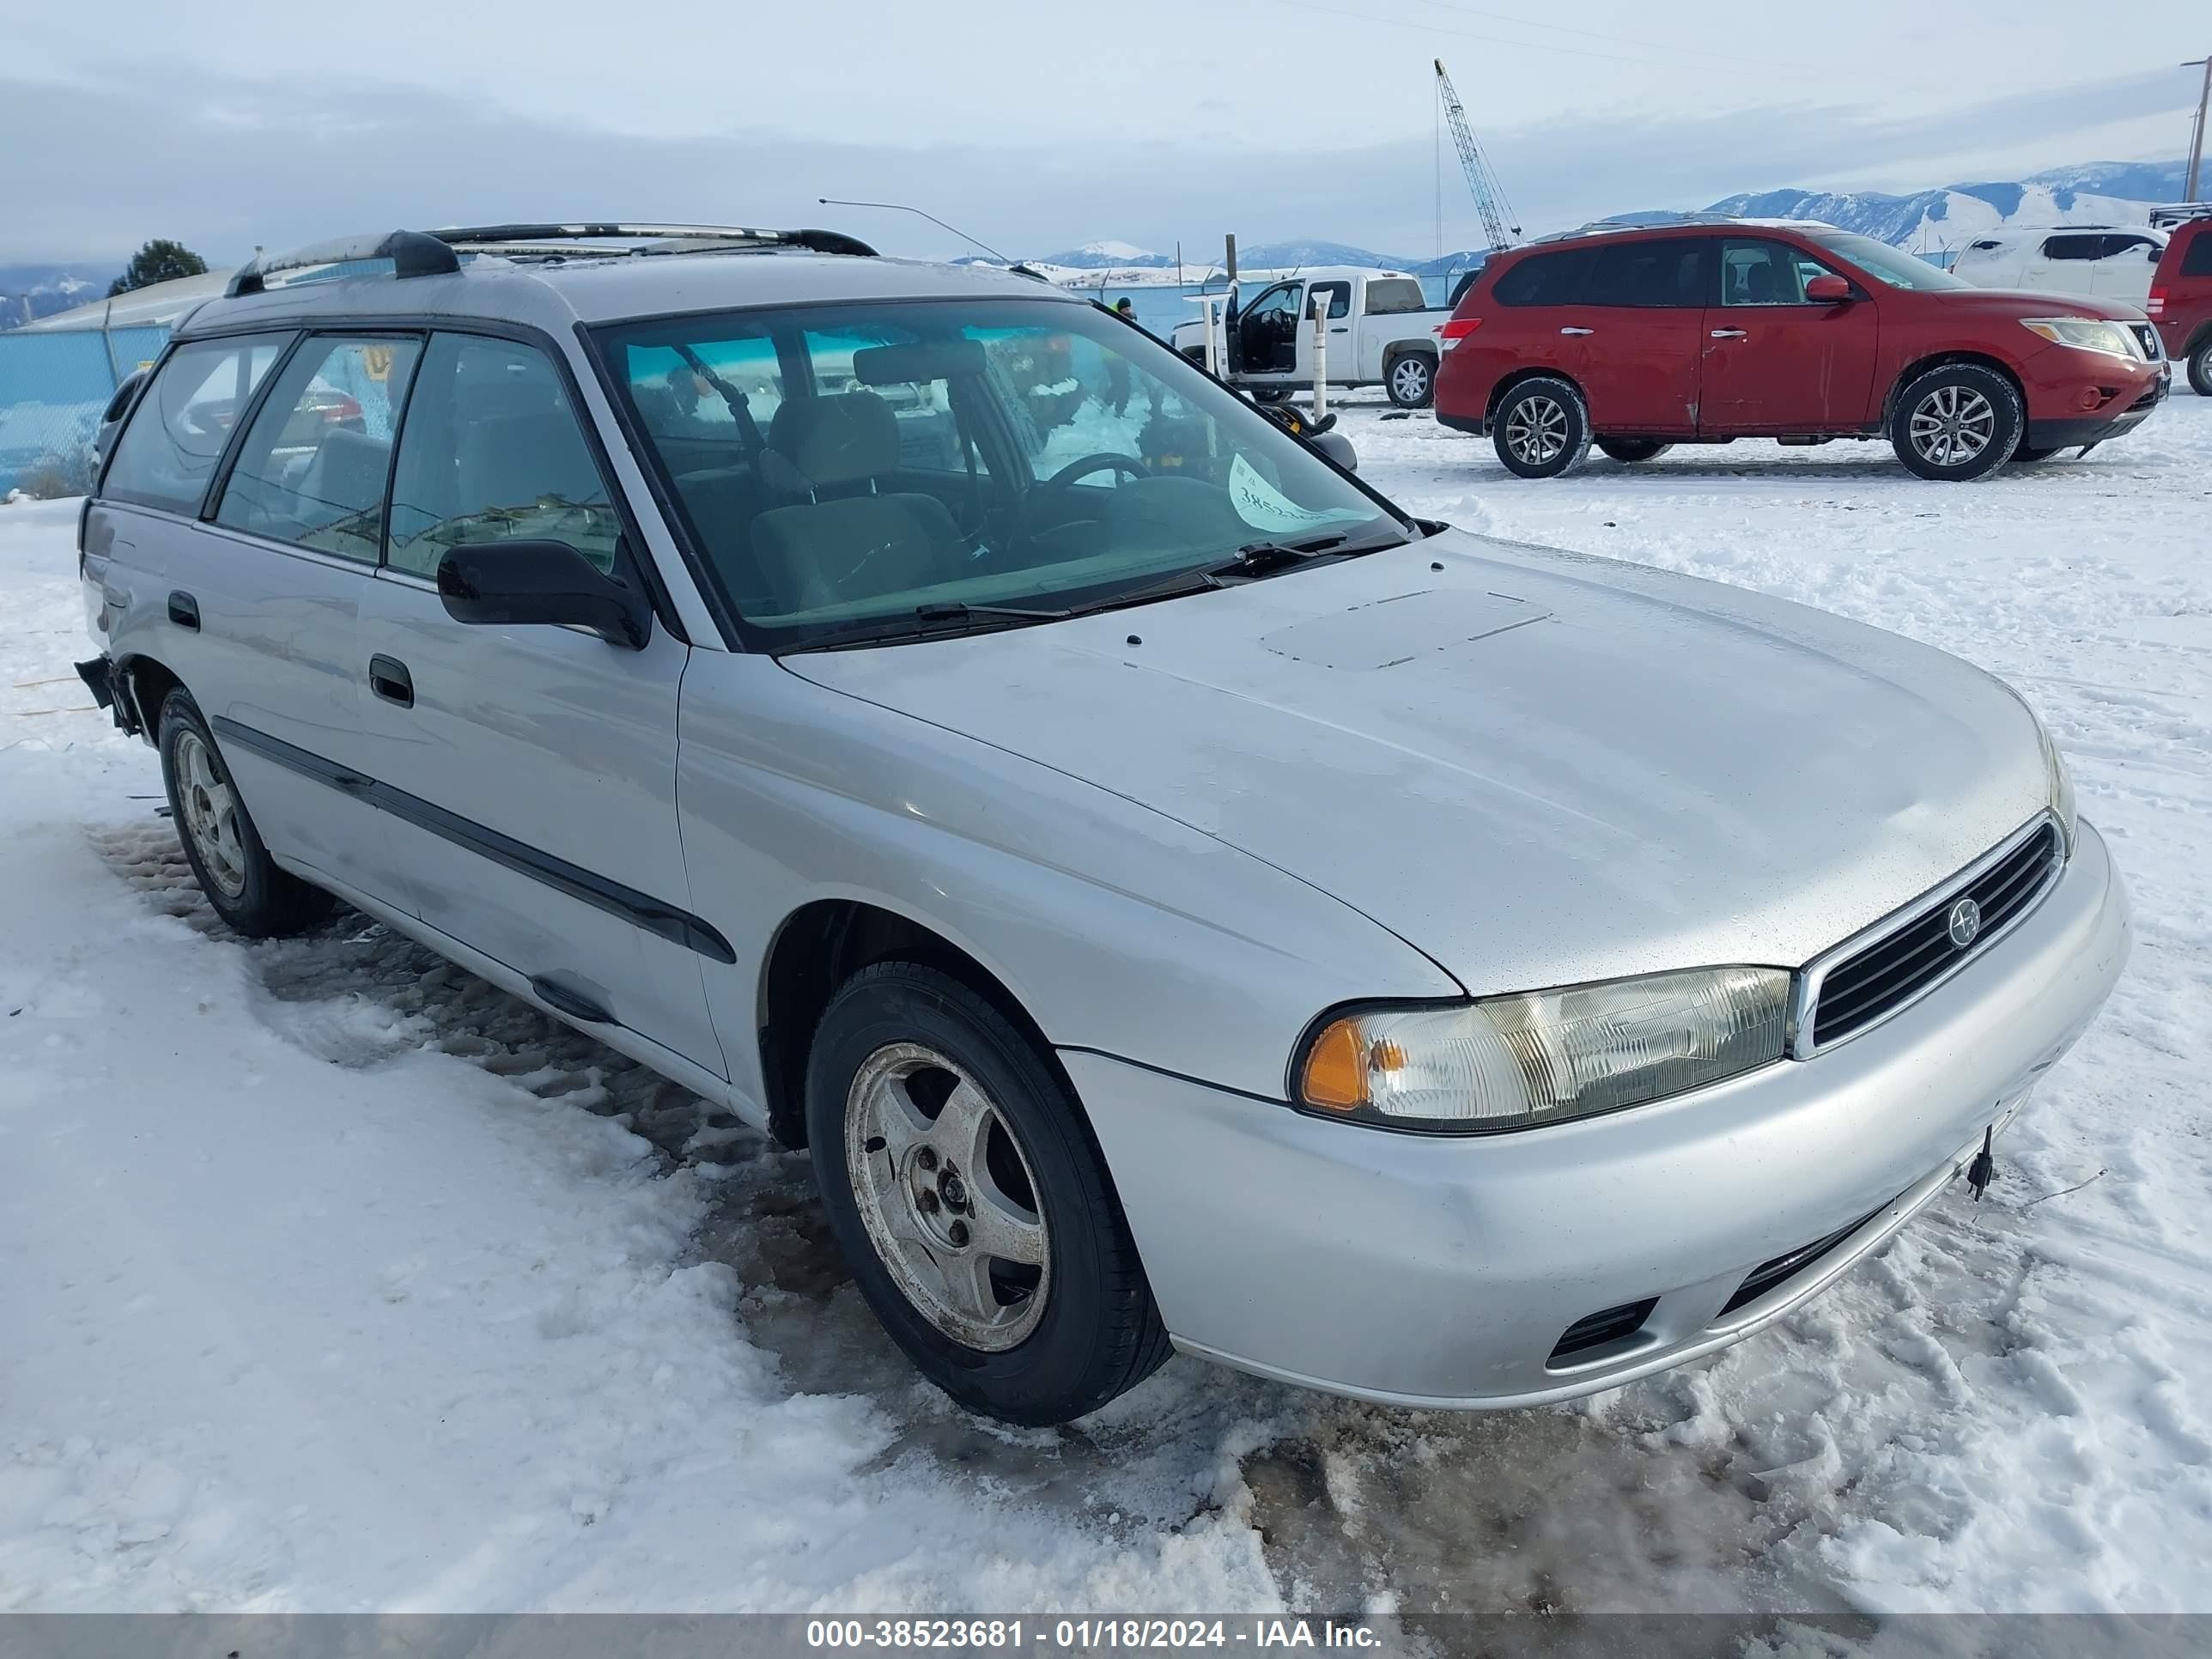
(1103, 461)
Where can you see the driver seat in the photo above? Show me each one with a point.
(859, 541)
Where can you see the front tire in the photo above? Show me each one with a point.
(1957, 421)
(1410, 380)
(2200, 367)
(969, 1198)
(224, 849)
(1629, 451)
(1541, 429)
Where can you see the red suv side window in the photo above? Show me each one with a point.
(2197, 258)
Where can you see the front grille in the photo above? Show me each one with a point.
(1767, 1274)
(1897, 967)
(1602, 1328)
(2147, 336)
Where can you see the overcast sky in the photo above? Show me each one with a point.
(1037, 125)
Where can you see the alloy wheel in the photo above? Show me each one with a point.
(1536, 430)
(945, 1192)
(1409, 380)
(211, 814)
(1952, 425)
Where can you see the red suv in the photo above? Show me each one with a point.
(2181, 299)
(1640, 338)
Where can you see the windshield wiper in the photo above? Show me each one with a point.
(926, 622)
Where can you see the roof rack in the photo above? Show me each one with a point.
(412, 254)
(1680, 222)
(432, 254)
(2166, 216)
(654, 238)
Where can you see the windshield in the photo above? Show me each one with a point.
(1887, 264)
(838, 465)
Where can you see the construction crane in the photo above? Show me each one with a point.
(1481, 183)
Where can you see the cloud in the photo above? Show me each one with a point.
(226, 164)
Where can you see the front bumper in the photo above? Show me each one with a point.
(1422, 1270)
(2087, 429)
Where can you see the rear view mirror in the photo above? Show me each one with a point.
(525, 583)
(1827, 290)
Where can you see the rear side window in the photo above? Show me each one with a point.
(2074, 247)
(1338, 295)
(1387, 296)
(1546, 279)
(494, 451)
(1657, 273)
(313, 468)
(2197, 259)
(168, 453)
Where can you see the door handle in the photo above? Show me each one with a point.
(1728, 334)
(1341, 328)
(184, 611)
(1577, 330)
(389, 678)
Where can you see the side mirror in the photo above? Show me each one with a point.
(1828, 289)
(526, 583)
(1338, 448)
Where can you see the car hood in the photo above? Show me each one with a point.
(2042, 302)
(1538, 768)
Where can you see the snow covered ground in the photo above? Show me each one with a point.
(331, 1278)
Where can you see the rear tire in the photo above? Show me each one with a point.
(1541, 429)
(233, 867)
(2200, 367)
(1628, 450)
(906, 1063)
(1411, 380)
(1957, 421)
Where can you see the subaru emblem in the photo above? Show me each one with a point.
(1963, 922)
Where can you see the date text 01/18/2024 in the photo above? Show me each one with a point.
(1090, 1634)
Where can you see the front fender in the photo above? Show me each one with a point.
(1116, 928)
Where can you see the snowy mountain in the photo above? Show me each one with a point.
(29, 292)
(1108, 255)
(1929, 221)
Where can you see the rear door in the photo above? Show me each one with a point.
(1642, 304)
(1775, 362)
(530, 771)
(2065, 262)
(255, 614)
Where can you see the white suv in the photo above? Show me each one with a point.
(2112, 261)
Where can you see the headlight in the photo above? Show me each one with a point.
(2060, 782)
(2087, 333)
(1512, 1062)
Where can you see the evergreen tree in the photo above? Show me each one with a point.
(159, 261)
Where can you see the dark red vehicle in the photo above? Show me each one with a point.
(2181, 299)
(1640, 338)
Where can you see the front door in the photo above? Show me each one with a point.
(531, 771)
(1775, 362)
(1267, 332)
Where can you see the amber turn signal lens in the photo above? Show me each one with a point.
(1336, 1068)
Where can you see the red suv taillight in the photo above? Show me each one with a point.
(1457, 329)
(2157, 305)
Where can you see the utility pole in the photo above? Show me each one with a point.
(2197, 130)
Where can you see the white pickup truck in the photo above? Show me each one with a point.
(1381, 333)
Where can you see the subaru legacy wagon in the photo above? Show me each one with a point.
(1178, 898)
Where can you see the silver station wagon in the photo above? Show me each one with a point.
(1179, 898)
